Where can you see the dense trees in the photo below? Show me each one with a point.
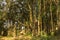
(36, 16)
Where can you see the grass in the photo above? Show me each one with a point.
(31, 38)
(28, 36)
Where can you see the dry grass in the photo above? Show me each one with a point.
(21, 37)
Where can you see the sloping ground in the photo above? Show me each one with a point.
(6, 38)
(22, 37)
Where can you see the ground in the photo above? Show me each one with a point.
(22, 37)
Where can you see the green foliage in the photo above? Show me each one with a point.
(43, 38)
(28, 34)
(54, 7)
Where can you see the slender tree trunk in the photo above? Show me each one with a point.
(39, 17)
(57, 13)
(51, 16)
(44, 15)
(30, 16)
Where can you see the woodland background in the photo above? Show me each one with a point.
(39, 19)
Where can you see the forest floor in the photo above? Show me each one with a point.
(27, 38)
(21, 37)
(24, 37)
